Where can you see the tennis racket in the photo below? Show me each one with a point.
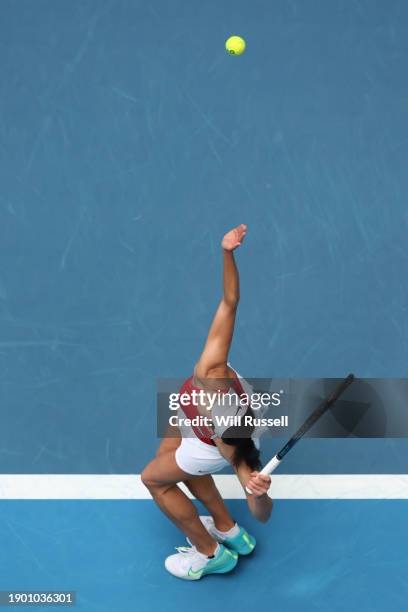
(315, 416)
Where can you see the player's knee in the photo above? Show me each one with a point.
(147, 477)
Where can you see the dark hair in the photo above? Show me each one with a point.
(245, 449)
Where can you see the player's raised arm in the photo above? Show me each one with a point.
(213, 360)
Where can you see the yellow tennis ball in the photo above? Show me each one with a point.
(235, 45)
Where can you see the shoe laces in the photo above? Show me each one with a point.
(191, 556)
(187, 550)
(190, 550)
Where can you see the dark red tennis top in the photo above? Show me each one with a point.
(191, 409)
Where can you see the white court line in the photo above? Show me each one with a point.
(296, 486)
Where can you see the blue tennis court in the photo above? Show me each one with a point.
(313, 555)
(130, 141)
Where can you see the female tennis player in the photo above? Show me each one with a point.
(191, 454)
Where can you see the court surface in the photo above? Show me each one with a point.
(129, 142)
(314, 555)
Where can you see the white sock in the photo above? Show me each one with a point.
(215, 553)
(231, 533)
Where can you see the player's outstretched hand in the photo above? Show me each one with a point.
(234, 238)
(258, 484)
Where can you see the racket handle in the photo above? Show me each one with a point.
(271, 465)
(267, 469)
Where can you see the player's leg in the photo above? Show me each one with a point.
(206, 556)
(220, 524)
(213, 360)
(204, 489)
(161, 476)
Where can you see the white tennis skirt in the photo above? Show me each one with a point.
(198, 458)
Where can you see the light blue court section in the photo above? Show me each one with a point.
(313, 556)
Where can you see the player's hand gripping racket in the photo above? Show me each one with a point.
(315, 416)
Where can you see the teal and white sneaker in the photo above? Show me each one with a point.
(189, 564)
(241, 542)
